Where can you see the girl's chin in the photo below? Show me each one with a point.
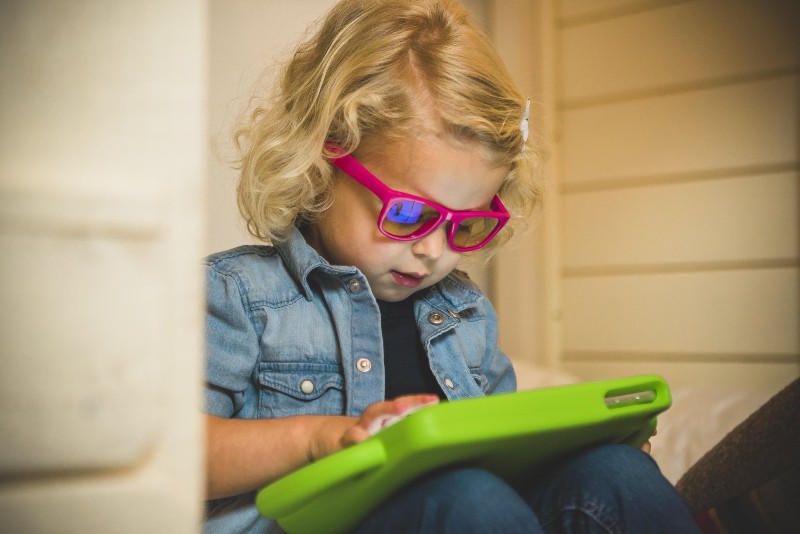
(395, 294)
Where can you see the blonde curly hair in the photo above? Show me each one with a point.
(369, 72)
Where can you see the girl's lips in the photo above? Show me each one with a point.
(408, 279)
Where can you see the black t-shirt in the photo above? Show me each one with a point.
(405, 360)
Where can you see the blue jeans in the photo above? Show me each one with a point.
(608, 489)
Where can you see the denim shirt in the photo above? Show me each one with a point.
(290, 334)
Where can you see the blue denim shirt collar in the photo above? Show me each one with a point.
(301, 260)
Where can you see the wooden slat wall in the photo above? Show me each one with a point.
(678, 191)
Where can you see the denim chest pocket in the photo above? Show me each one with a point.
(300, 388)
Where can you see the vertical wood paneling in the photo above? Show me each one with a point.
(519, 292)
(678, 176)
(751, 312)
(744, 125)
(746, 218)
(678, 45)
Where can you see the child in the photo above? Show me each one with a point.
(394, 145)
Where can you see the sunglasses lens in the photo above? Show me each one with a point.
(406, 217)
(474, 231)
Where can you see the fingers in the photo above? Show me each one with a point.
(355, 434)
(647, 447)
(378, 415)
(396, 407)
(405, 403)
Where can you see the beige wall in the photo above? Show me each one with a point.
(672, 233)
(246, 39)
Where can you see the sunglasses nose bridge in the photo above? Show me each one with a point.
(431, 243)
(435, 226)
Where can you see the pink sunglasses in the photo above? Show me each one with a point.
(407, 217)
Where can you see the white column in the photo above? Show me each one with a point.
(102, 161)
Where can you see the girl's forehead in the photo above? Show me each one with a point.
(429, 148)
(456, 174)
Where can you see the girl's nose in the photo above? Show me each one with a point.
(432, 245)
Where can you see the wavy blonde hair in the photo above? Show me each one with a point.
(372, 70)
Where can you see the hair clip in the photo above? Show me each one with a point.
(523, 124)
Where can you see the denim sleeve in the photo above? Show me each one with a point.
(232, 346)
(497, 368)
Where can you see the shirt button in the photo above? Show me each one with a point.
(354, 285)
(449, 383)
(436, 318)
(306, 386)
(363, 365)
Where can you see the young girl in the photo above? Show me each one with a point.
(395, 144)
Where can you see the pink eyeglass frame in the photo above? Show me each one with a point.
(351, 167)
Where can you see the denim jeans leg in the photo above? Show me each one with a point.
(455, 501)
(609, 489)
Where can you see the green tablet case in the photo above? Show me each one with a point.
(511, 434)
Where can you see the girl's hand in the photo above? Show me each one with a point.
(245, 454)
(372, 417)
(333, 433)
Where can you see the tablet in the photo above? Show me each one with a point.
(513, 435)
